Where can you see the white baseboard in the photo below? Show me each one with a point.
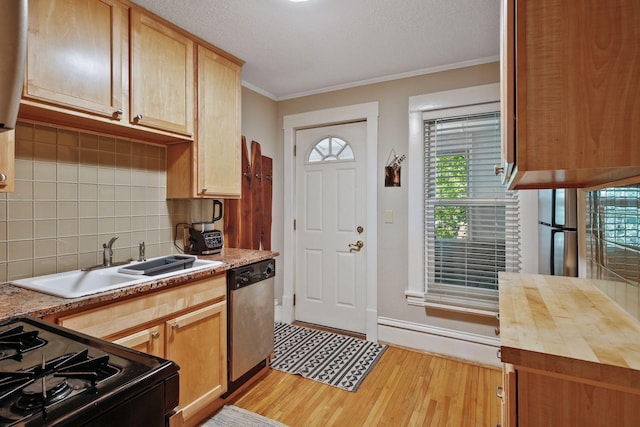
(447, 342)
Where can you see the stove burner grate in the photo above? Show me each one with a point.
(46, 391)
(15, 341)
(52, 381)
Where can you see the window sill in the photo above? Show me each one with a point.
(453, 303)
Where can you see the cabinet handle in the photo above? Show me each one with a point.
(499, 392)
(155, 335)
(498, 169)
(499, 354)
(137, 117)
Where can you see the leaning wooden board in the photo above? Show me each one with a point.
(267, 191)
(237, 230)
(567, 326)
(256, 195)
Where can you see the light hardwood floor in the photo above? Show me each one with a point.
(405, 388)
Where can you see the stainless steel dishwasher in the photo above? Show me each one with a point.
(250, 320)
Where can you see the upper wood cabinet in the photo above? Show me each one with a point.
(74, 56)
(7, 161)
(111, 67)
(161, 76)
(211, 167)
(570, 93)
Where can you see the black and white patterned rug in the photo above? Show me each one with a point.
(329, 358)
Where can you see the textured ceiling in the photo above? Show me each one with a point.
(294, 49)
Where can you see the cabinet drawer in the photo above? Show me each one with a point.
(149, 340)
(117, 317)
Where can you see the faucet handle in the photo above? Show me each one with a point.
(141, 251)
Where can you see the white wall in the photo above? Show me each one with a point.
(406, 325)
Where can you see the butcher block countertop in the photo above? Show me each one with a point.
(567, 326)
(16, 301)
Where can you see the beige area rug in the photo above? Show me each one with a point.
(233, 416)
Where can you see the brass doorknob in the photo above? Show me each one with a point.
(355, 247)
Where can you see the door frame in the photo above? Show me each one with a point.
(332, 116)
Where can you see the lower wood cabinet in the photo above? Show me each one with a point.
(203, 367)
(508, 396)
(186, 324)
(534, 398)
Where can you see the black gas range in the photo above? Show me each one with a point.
(52, 376)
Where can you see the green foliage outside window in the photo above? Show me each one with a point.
(451, 183)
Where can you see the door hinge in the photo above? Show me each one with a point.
(294, 225)
(294, 299)
(294, 150)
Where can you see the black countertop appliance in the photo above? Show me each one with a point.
(204, 239)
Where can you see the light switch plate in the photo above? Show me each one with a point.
(388, 217)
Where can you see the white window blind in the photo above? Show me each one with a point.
(471, 220)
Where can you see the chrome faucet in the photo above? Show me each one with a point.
(141, 251)
(107, 258)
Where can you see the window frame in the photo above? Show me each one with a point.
(464, 101)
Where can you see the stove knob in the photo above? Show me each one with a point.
(268, 270)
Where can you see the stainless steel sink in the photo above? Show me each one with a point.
(78, 283)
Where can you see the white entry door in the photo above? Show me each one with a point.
(330, 254)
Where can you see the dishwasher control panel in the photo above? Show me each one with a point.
(252, 273)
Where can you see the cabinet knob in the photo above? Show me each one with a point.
(499, 392)
(137, 117)
(204, 190)
(3, 178)
(497, 330)
(118, 113)
(155, 335)
(498, 169)
(175, 325)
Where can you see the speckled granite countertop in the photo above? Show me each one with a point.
(16, 301)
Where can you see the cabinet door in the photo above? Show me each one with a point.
(575, 89)
(7, 161)
(507, 89)
(74, 55)
(197, 342)
(149, 340)
(509, 396)
(161, 76)
(218, 140)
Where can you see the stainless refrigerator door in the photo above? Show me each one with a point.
(558, 208)
(558, 253)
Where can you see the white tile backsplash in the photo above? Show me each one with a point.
(76, 190)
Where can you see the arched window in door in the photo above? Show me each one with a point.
(330, 149)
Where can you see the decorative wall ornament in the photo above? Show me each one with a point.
(392, 169)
